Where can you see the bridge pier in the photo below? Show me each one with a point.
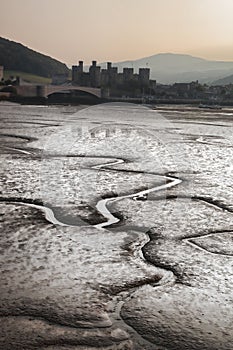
(41, 91)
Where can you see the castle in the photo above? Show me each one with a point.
(109, 78)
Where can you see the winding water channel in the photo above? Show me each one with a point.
(166, 276)
(102, 204)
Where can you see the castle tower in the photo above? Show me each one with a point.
(144, 76)
(94, 72)
(77, 73)
(127, 74)
(109, 75)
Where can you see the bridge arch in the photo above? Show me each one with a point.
(50, 89)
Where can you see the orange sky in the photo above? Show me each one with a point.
(118, 30)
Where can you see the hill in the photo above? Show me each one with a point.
(224, 81)
(17, 57)
(169, 68)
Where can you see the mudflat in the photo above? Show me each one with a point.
(116, 227)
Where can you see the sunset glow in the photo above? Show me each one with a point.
(111, 30)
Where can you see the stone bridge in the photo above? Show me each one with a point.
(50, 89)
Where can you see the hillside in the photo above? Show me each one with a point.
(17, 57)
(26, 77)
(169, 68)
(224, 81)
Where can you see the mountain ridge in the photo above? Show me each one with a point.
(169, 68)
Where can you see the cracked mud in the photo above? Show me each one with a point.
(115, 234)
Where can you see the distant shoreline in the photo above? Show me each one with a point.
(83, 101)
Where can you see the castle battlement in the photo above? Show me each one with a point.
(109, 77)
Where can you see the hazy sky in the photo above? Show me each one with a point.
(118, 30)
